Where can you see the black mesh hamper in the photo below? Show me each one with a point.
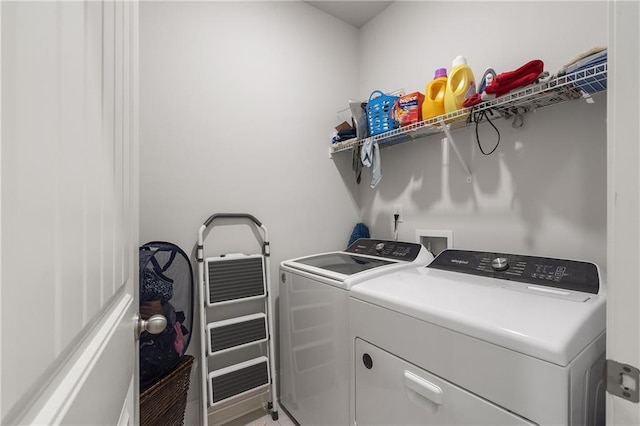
(166, 288)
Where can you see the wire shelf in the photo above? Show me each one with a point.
(575, 85)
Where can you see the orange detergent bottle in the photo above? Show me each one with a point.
(461, 84)
(433, 104)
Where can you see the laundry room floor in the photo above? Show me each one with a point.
(260, 418)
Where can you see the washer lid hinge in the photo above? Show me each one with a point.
(622, 380)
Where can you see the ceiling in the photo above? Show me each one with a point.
(356, 13)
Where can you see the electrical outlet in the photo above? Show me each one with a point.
(397, 209)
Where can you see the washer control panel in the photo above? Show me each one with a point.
(397, 250)
(543, 271)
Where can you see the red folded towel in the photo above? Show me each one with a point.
(523, 76)
(472, 100)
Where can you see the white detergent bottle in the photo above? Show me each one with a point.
(461, 84)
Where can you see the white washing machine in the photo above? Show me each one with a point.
(314, 324)
(480, 338)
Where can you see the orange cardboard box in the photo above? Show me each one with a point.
(408, 108)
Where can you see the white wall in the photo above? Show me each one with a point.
(237, 104)
(238, 101)
(544, 189)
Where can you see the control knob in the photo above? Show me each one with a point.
(379, 246)
(500, 263)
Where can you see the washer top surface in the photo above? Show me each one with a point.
(364, 259)
(543, 321)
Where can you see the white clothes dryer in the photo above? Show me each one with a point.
(314, 323)
(480, 338)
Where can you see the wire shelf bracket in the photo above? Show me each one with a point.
(447, 132)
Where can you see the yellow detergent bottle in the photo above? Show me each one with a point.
(433, 104)
(461, 84)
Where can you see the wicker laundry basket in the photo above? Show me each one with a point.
(164, 402)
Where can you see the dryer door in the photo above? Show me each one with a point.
(390, 391)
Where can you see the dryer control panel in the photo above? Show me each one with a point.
(397, 250)
(543, 271)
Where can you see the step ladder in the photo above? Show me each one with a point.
(226, 280)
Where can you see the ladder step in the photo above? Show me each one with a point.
(238, 379)
(233, 279)
(237, 332)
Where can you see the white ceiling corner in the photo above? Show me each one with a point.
(356, 13)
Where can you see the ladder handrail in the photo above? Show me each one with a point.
(231, 216)
(266, 251)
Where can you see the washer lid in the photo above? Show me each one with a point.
(517, 316)
(364, 259)
(343, 263)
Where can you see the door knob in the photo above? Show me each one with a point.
(154, 325)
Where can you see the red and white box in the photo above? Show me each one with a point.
(408, 108)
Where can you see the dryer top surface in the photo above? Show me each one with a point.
(549, 324)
